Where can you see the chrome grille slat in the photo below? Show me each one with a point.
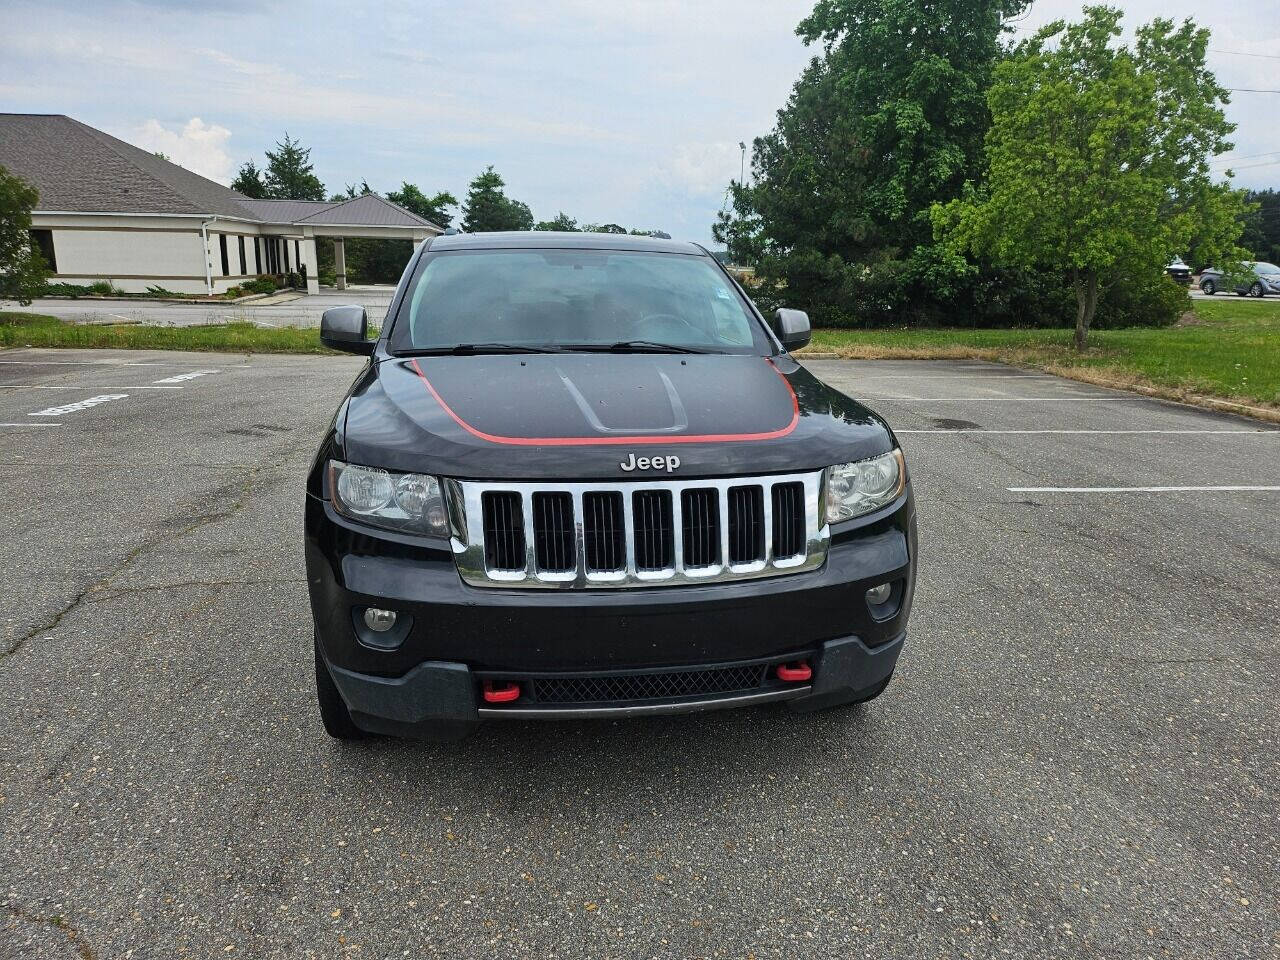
(633, 533)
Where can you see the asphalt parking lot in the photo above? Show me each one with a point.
(1078, 756)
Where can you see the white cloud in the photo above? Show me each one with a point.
(198, 146)
(701, 169)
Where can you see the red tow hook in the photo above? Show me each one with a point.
(503, 692)
(795, 672)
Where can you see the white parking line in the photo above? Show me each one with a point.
(84, 386)
(1248, 433)
(1224, 489)
(90, 363)
(179, 378)
(78, 405)
(47, 423)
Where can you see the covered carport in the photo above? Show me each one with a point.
(369, 216)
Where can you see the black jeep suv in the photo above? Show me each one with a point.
(581, 476)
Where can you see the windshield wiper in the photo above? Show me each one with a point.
(463, 349)
(632, 346)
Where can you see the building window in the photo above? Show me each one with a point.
(42, 240)
(240, 243)
(222, 248)
(297, 255)
(257, 256)
(285, 245)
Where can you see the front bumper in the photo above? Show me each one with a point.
(456, 636)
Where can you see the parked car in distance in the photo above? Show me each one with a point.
(582, 476)
(1179, 270)
(1258, 280)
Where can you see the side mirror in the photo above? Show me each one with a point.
(792, 328)
(346, 328)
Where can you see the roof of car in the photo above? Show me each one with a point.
(532, 239)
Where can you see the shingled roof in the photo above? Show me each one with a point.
(79, 169)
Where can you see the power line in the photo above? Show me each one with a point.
(1250, 90)
(1240, 53)
(1247, 156)
(1251, 166)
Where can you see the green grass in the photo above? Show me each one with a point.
(1231, 350)
(37, 330)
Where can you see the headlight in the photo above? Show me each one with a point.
(401, 501)
(857, 488)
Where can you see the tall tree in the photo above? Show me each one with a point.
(249, 181)
(562, 223)
(1262, 225)
(888, 119)
(22, 269)
(1098, 158)
(290, 175)
(488, 208)
(435, 209)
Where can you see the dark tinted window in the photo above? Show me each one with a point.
(574, 297)
(43, 240)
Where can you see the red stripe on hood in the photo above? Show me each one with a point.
(613, 441)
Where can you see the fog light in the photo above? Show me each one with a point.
(875, 596)
(380, 621)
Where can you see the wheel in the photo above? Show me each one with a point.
(1256, 290)
(333, 712)
(1209, 288)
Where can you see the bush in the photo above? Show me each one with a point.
(259, 285)
(294, 279)
(233, 292)
(103, 288)
(1152, 301)
(159, 291)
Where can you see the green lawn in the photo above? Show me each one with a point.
(1231, 350)
(37, 330)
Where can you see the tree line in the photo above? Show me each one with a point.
(289, 174)
(924, 170)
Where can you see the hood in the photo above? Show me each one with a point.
(578, 416)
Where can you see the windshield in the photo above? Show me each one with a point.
(569, 299)
(1266, 268)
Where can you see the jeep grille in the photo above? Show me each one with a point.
(637, 533)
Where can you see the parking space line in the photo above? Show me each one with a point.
(1246, 433)
(1188, 489)
(90, 363)
(45, 423)
(85, 386)
(78, 405)
(180, 377)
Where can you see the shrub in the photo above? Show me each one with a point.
(294, 279)
(1151, 301)
(159, 291)
(104, 288)
(260, 285)
(233, 292)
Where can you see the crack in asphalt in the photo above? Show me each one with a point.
(217, 497)
(58, 923)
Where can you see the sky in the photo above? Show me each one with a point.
(611, 111)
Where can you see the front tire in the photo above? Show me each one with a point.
(1209, 288)
(333, 710)
(1256, 290)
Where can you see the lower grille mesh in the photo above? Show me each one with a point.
(648, 686)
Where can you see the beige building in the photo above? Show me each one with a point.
(111, 211)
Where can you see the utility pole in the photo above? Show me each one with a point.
(742, 163)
